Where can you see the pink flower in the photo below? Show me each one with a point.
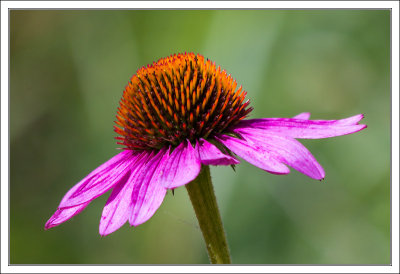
(177, 115)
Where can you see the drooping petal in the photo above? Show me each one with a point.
(288, 150)
(137, 199)
(211, 155)
(148, 192)
(303, 116)
(63, 214)
(117, 209)
(100, 180)
(72, 203)
(254, 154)
(182, 166)
(353, 120)
(306, 129)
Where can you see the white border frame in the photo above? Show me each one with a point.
(6, 5)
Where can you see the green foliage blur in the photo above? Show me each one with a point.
(68, 71)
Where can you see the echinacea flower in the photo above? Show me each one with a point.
(177, 115)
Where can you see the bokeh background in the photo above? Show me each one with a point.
(68, 71)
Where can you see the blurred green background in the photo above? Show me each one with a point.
(68, 71)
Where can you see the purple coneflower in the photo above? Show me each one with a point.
(176, 116)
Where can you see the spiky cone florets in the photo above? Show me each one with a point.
(177, 98)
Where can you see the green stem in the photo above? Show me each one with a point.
(201, 193)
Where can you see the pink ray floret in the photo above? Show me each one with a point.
(139, 180)
(306, 129)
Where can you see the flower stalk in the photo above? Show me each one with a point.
(201, 193)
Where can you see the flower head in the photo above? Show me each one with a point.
(179, 98)
(177, 114)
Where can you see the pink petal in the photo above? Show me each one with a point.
(306, 129)
(117, 209)
(303, 116)
(69, 205)
(182, 166)
(254, 154)
(211, 155)
(148, 192)
(353, 120)
(64, 214)
(100, 180)
(288, 150)
(137, 199)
